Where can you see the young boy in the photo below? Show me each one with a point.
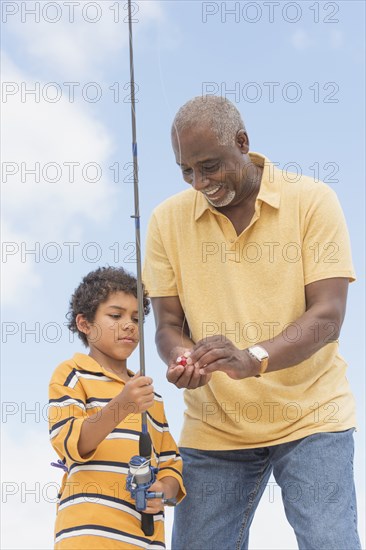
(95, 423)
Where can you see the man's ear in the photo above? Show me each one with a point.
(242, 141)
(82, 324)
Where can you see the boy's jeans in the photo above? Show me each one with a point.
(224, 488)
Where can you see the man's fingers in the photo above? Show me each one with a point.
(208, 369)
(217, 365)
(174, 373)
(201, 349)
(196, 381)
(186, 377)
(211, 356)
(181, 376)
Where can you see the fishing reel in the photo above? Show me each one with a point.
(141, 475)
(139, 479)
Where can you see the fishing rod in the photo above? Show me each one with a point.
(145, 445)
(141, 474)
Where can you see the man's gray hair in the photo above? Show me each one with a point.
(217, 113)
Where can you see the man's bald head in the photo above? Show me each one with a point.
(215, 113)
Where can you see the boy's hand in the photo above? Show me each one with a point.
(169, 486)
(139, 392)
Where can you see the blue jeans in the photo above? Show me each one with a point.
(315, 474)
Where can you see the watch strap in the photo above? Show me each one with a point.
(262, 362)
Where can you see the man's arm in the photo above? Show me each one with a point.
(172, 340)
(319, 325)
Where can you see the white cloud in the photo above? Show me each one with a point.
(36, 134)
(49, 135)
(26, 468)
(56, 133)
(301, 39)
(80, 43)
(16, 276)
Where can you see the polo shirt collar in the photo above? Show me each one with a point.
(270, 189)
(85, 362)
(269, 192)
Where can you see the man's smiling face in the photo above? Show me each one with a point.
(215, 170)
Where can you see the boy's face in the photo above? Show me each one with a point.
(114, 331)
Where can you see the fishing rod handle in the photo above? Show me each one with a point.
(147, 524)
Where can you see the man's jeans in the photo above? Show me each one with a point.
(224, 488)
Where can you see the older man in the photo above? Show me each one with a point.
(248, 271)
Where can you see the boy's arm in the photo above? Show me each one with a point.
(75, 435)
(137, 396)
(66, 414)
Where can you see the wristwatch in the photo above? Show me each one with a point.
(261, 355)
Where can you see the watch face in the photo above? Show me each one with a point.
(259, 353)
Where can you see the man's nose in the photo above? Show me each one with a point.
(199, 180)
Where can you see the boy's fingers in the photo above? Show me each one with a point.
(142, 380)
(154, 506)
(148, 402)
(146, 380)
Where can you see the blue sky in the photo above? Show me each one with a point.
(295, 71)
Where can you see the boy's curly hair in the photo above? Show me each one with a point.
(95, 289)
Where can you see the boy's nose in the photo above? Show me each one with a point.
(129, 326)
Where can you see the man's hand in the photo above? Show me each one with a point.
(217, 353)
(184, 377)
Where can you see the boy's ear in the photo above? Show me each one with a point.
(82, 324)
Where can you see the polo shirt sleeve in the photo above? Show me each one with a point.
(66, 414)
(170, 461)
(326, 244)
(158, 274)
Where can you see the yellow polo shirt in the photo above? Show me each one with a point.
(250, 288)
(95, 510)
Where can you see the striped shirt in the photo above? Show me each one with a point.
(94, 509)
